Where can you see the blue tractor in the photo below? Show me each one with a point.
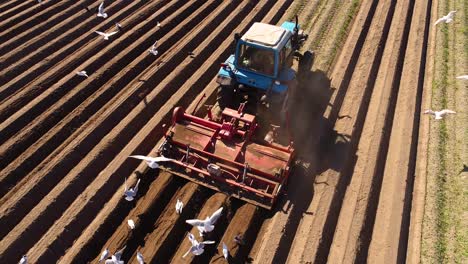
(260, 73)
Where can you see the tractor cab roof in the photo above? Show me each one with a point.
(266, 35)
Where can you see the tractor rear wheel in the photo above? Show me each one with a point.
(306, 62)
(224, 96)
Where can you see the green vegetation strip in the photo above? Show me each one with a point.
(343, 33)
(443, 221)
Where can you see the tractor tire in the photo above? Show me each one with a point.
(306, 62)
(224, 96)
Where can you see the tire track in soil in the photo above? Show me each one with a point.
(390, 234)
(366, 178)
(76, 154)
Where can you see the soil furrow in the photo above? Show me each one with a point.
(244, 224)
(16, 7)
(94, 97)
(17, 26)
(390, 235)
(330, 185)
(211, 205)
(91, 134)
(54, 58)
(368, 169)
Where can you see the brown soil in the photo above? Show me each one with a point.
(65, 140)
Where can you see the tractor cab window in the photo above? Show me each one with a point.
(257, 59)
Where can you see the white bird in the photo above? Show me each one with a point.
(178, 207)
(106, 35)
(104, 254)
(130, 193)
(158, 24)
(131, 224)
(115, 259)
(153, 49)
(152, 162)
(82, 73)
(463, 77)
(101, 12)
(118, 26)
(197, 248)
(140, 258)
(225, 251)
(23, 260)
(439, 114)
(206, 225)
(447, 19)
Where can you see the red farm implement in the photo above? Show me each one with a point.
(224, 156)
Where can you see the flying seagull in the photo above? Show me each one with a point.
(115, 259)
(225, 251)
(104, 254)
(463, 77)
(23, 260)
(101, 12)
(153, 49)
(206, 225)
(82, 73)
(447, 19)
(239, 239)
(439, 114)
(132, 192)
(106, 35)
(140, 258)
(131, 224)
(197, 248)
(119, 26)
(178, 207)
(152, 162)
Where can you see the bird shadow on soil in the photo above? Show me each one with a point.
(313, 136)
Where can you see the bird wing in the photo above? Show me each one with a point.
(101, 8)
(100, 33)
(126, 187)
(447, 111)
(104, 254)
(214, 217)
(135, 189)
(161, 159)
(195, 222)
(429, 112)
(451, 14)
(225, 251)
(140, 258)
(207, 242)
(119, 253)
(186, 253)
(462, 77)
(439, 20)
(112, 33)
(141, 157)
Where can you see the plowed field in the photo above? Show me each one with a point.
(65, 139)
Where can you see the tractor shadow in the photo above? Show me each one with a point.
(313, 136)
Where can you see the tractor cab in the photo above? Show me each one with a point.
(260, 72)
